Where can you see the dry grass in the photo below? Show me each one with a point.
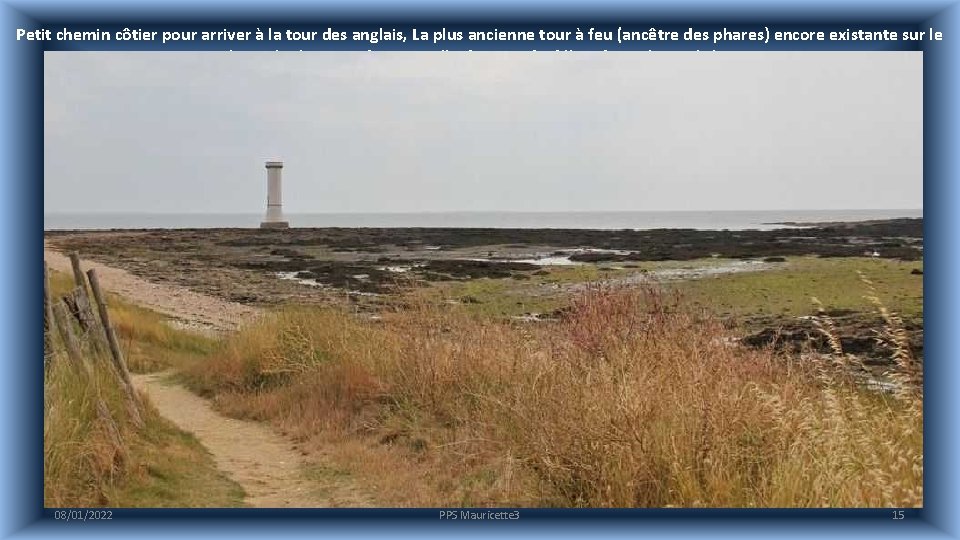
(95, 454)
(631, 401)
(84, 452)
(149, 342)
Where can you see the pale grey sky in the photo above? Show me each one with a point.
(419, 131)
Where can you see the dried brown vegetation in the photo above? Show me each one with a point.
(631, 400)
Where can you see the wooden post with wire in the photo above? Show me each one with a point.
(47, 318)
(65, 327)
(115, 353)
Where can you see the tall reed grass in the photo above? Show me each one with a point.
(85, 434)
(632, 400)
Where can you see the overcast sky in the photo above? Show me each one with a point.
(415, 132)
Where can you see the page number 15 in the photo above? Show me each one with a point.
(897, 514)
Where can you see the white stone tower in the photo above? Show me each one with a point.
(274, 218)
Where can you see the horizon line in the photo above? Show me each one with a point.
(416, 212)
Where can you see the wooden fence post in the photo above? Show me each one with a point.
(62, 318)
(75, 301)
(115, 353)
(47, 318)
(77, 272)
(79, 304)
(79, 300)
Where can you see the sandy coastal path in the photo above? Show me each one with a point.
(268, 467)
(191, 309)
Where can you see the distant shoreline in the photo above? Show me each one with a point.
(525, 230)
(822, 224)
(635, 221)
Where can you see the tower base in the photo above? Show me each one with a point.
(274, 224)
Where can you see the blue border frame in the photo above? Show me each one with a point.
(21, 512)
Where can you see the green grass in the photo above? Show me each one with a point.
(541, 293)
(492, 297)
(175, 471)
(570, 274)
(788, 290)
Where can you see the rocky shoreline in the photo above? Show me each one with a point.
(269, 267)
(334, 257)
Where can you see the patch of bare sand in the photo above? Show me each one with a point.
(270, 469)
(192, 310)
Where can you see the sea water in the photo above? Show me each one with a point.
(732, 220)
